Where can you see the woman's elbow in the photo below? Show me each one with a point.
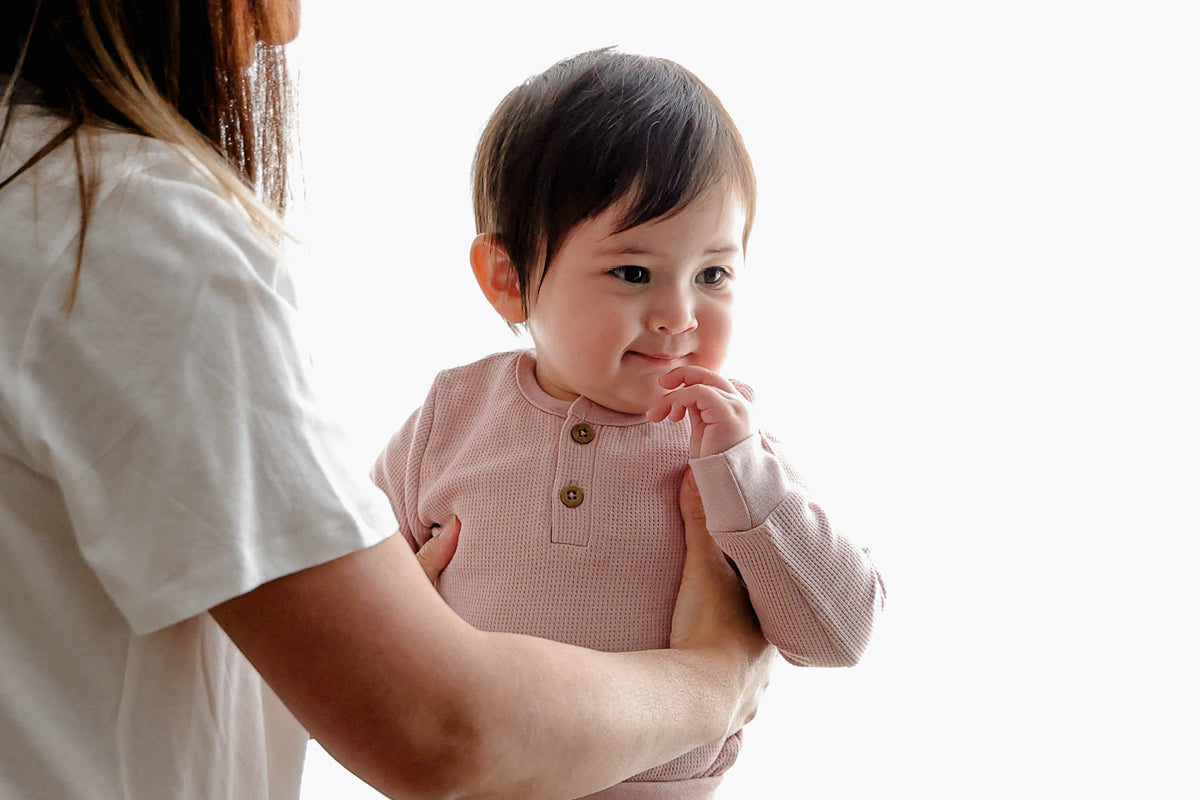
(422, 756)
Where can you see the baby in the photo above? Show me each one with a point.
(613, 200)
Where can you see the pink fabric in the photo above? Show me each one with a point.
(491, 447)
(693, 789)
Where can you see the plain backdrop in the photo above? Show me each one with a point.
(969, 311)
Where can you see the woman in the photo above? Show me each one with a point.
(162, 456)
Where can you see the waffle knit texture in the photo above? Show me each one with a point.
(491, 447)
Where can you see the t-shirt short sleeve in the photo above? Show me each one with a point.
(174, 407)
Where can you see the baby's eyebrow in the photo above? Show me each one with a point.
(634, 250)
(629, 250)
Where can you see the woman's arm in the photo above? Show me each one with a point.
(419, 704)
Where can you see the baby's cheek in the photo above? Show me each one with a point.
(716, 329)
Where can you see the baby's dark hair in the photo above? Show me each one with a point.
(596, 129)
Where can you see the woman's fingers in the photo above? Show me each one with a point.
(713, 610)
(712, 599)
(436, 553)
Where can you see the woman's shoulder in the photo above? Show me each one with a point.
(140, 186)
(154, 204)
(114, 155)
(152, 217)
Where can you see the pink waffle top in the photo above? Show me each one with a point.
(571, 531)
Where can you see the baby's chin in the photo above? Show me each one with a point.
(633, 402)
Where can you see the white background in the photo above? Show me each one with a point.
(969, 310)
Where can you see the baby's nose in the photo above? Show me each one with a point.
(674, 315)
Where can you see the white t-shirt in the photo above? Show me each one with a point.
(161, 451)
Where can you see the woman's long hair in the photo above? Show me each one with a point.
(187, 72)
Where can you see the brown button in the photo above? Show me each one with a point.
(571, 496)
(583, 433)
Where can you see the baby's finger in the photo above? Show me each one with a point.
(693, 375)
(703, 398)
(670, 407)
(658, 412)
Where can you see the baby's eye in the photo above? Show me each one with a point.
(631, 274)
(711, 276)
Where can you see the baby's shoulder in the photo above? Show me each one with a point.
(482, 379)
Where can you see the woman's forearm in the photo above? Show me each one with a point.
(579, 720)
(419, 704)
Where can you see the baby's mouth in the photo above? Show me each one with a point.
(658, 356)
(654, 359)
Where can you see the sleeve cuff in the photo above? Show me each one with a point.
(740, 486)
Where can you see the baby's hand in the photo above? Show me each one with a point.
(720, 415)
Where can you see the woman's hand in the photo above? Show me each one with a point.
(374, 663)
(713, 612)
(436, 553)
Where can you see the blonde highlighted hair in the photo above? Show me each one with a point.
(191, 73)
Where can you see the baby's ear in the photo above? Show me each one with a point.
(497, 277)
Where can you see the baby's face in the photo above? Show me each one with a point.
(616, 311)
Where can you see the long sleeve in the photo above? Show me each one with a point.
(814, 591)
